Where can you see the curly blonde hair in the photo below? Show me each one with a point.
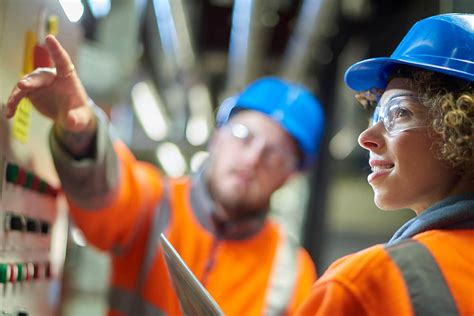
(451, 105)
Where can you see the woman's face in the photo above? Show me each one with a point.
(405, 173)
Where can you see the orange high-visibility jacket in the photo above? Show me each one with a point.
(372, 282)
(121, 206)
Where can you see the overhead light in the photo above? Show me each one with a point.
(74, 9)
(198, 159)
(197, 131)
(198, 127)
(171, 159)
(150, 111)
(99, 8)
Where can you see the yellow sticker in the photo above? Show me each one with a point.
(21, 121)
(53, 25)
(30, 42)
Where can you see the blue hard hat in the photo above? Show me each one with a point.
(442, 43)
(289, 104)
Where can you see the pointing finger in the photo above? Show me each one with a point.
(64, 65)
(12, 103)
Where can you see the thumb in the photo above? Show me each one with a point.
(80, 119)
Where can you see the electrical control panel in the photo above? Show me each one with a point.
(33, 219)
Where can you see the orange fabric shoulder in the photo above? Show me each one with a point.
(354, 284)
(453, 251)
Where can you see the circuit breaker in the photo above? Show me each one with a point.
(33, 219)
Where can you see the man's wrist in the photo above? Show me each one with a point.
(78, 144)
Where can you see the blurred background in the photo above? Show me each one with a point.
(160, 68)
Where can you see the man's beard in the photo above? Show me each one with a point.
(236, 208)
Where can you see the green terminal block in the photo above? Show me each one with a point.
(12, 173)
(20, 272)
(4, 273)
(29, 180)
(43, 186)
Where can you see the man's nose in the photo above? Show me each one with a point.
(254, 152)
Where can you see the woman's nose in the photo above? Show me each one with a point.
(372, 138)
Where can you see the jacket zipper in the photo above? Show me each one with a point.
(211, 260)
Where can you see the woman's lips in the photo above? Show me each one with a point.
(380, 168)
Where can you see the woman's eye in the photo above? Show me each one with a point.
(401, 112)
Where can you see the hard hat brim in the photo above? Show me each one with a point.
(374, 72)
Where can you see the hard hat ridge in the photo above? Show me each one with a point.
(290, 104)
(442, 43)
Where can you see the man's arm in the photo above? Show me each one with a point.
(107, 189)
(110, 193)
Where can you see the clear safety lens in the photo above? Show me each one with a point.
(399, 114)
(274, 155)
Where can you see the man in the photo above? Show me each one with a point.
(420, 145)
(217, 220)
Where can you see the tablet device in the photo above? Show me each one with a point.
(193, 297)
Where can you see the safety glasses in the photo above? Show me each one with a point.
(274, 156)
(400, 113)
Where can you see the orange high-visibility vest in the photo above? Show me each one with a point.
(262, 273)
(372, 282)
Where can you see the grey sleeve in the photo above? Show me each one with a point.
(90, 183)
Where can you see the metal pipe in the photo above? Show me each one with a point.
(174, 33)
(247, 40)
(311, 23)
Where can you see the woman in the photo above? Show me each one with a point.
(421, 146)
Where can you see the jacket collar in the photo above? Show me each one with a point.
(456, 212)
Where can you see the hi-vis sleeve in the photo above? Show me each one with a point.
(110, 195)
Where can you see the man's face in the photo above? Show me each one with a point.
(251, 157)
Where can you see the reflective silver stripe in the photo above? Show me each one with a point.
(118, 249)
(126, 303)
(429, 293)
(132, 303)
(161, 218)
(160, 221)
(282, 277)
